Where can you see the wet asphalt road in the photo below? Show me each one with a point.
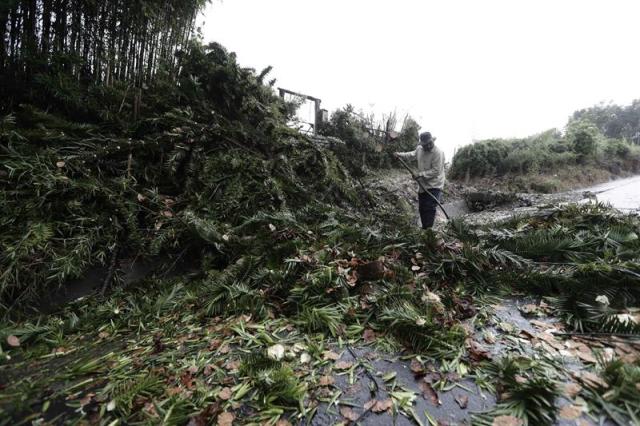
(622, 194)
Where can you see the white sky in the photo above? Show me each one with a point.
(465, 69)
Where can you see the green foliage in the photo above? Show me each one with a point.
(583, 136)
(368, 142)
(528, 391)
(542, 152)
(614, 121)
(621, 400)
(275, 381)
(82, 43)
(546, 154)
(574, 256)
(215, 145)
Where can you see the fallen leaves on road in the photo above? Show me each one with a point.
(330, 355)
(348, 413)
(570, 412)
(571, 390)
(507, 421)
(226, 419)
(477, 352)
(369, 335)
(343, 365)
(326, 381)
(462, 400)
(591, 380)
(416, 367)
(225, 394)
(429, 393)
(378, 406)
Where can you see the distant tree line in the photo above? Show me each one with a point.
(92, 41)
(581, 144)
(614, 121)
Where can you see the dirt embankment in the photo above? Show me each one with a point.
(566, 179)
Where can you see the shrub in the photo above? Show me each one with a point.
(583, 136)
(617, 148)
(546, 186)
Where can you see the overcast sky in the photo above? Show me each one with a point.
(465, 69)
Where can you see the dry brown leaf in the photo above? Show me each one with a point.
(150, 409)
(383, 405)
(326, 381)
(208, 369)
(369, 404)
(348, 413)
(369, 335)
(592, 380)
(233, 365)
(570, 412)
(571, 390)
(226, 419)
(476, 351)
(551, 340)
(13, 341)
(541, 324)
(87, 399)
(583, 352)
(463, 401)
(343, 365)
(173, 391)
(352, 279)
(528, 308)
(489, 337)
(225, 394)
(526, 334)
(429, 393)
(416, 367)
(520, 379)
(330, 355)
(507, 421)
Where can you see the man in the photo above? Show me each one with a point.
(430, 175)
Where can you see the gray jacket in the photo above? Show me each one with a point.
(430, 166)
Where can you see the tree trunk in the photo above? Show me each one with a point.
(4, 18)
(45, 41)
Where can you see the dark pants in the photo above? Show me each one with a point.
(427, 206)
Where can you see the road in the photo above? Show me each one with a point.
(622, 194)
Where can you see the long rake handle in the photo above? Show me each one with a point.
(413, 175)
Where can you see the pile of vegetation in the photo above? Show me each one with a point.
(261, 340)
(540, 163)
(295, 264)
(212, 145)
(369, 142)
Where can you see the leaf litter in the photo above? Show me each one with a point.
(181, 356)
